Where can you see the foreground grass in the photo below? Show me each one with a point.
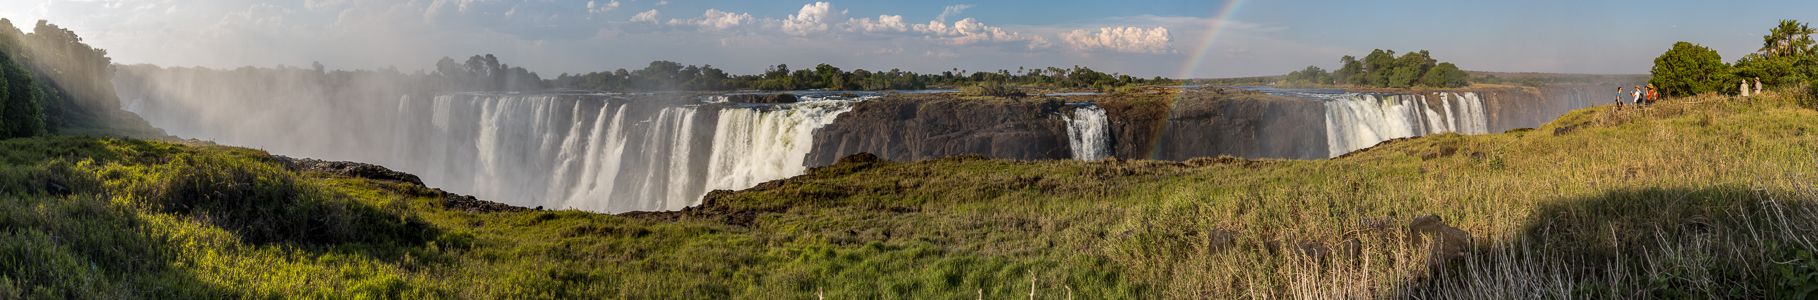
(1702, 197)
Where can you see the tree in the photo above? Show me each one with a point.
(1349, 67)
(1690, 69)
(1312, 74)
(1447, 75)
(1407, 70)
(1790, 38)
(21, 115)
(1377, 65)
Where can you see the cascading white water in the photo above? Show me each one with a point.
(754, 145)
(1355, 121)
(592, 152)
(1089, 133)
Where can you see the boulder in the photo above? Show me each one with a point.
(1444, 242)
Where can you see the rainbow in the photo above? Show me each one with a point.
(1217, 27)
(1198, 55)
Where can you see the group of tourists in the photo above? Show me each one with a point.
(1639, 96)
(1745, 87)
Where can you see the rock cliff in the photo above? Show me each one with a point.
(908, 127)
(1215, 122)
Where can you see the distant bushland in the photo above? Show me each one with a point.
(667, 75)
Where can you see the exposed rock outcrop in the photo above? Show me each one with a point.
(346, 168)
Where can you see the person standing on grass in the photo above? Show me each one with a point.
(1652, 96)
(1618, 97)
(1757, 86)
(1637, 99)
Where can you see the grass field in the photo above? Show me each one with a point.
(1704, 197)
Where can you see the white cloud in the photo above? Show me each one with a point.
(664, 2)
(969, 31)
(813, 18)
(648, 16)
(315, 5)
(715, 19)
(609, 6)
(1122, 39)
(952, 10)
(884, 23)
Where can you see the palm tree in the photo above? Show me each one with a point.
(1790, 38)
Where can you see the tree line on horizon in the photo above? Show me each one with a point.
(1787, 57)
(1381, 68)
(667, 75)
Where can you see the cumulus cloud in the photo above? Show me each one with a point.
(969, 31)
(715, 19)
(664, 2)
(648, 16)
(813, 18)
(952, 10)
(600, 8)
(1121, 39)
(884, 24)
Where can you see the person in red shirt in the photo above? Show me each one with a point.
(1652, 96)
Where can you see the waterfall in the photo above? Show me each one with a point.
(1088, 133)
(1356, 121)
(757, 144)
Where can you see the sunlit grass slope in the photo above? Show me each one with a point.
(1699, 197)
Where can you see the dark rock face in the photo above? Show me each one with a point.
(910, 127)
(345, 168)
(1165, 126)
(1215, 122)
(1530, 107)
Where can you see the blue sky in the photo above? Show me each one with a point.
(1142, 38)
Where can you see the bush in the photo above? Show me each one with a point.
(1689, 69)
(21, 113)
(1447, 75)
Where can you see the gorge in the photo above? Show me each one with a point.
(619, 152)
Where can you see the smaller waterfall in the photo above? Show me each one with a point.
(1356, 121)
(1089, 133)
(757, 144)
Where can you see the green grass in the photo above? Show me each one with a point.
(1697, 198)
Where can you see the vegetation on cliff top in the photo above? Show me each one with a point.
(1787, 58)
(1695, 197)
(1382, 69)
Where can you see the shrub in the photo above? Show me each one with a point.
(1689, 69)
(1447, 75)
(21, 113)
